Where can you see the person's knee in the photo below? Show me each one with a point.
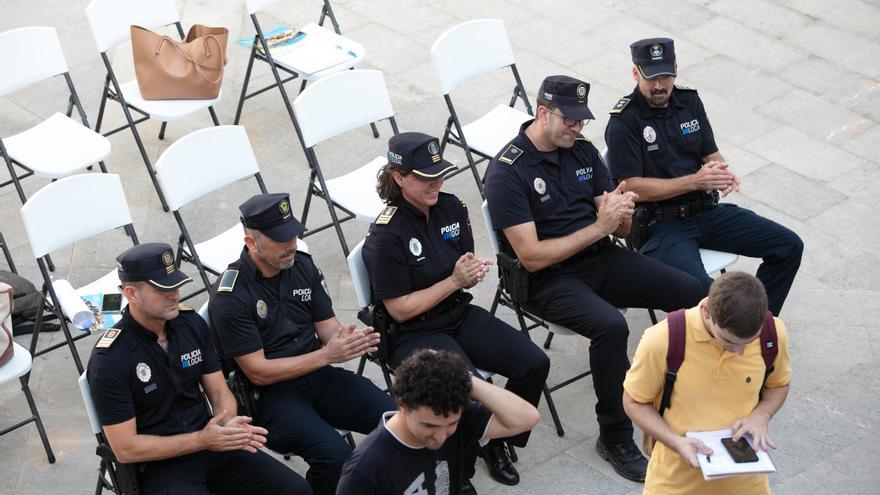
(611, 331)
(794, 247)
(537, 366)
(692, 289)
(329, 456)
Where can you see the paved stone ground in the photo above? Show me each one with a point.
(791, 88)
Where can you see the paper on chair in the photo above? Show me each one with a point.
(722, 464)
(318, 50)
(73, 306)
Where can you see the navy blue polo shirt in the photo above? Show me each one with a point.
(276, 314)
(663, 143)
(135, 378)
(411, 252)
(556, 190)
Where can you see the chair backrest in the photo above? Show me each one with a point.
(72, 209)
(340, 102)
(203, 161)
(29, 55)
(89, 403)
(470, 49)
(111, 20)
(359, 275)
(254, 6)
(493, 235)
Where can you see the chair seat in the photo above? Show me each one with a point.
(319, 44)
(107, 284)
(219, 251)
(164, 110)
(18, 366)
(715, 261)
(492, 131)
(57, 147)
(349, 192)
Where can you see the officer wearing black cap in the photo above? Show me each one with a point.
(273, 315)
(144, 376)
(662, 144)
(420, 257)
(552, 198)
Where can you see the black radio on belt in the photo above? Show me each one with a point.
(514, 277)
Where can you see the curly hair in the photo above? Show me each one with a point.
(386, 186)
(436, 379)
(738, 303)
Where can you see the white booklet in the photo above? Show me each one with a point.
(721, 464)
(316, 49)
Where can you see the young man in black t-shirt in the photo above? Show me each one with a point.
(418, 449)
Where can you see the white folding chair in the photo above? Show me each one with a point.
(317, 53)
(121, 479)
(197, 164)
(58, 146)
(20, 367)
(464, 52)
(110, 21)
(504, 298)
(331, 106)
(64, 212)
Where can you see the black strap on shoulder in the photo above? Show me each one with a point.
(674, 355)
(769, 349)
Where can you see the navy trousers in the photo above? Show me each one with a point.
(732, 229)
(222, 473)
(302, 416)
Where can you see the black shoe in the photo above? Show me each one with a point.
(467, 488)
(625, 457)
(500, 466)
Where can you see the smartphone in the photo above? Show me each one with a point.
(112, 303)
(740, 450)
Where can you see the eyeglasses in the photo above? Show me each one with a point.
(570, 122)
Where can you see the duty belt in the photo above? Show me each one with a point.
(673, 211)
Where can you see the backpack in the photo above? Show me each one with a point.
(675, 358)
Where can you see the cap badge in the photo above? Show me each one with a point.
(262, 309)
(433, 148)
(167, 258)
(143, 372)
(540, 185)
(649, 134)
(415, 247)
(284, 206)
(656, 51)
(581, 90)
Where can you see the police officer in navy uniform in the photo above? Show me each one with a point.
(273, 315)
(552, 198)
(661, 143)
(144, 376)
(420, 257)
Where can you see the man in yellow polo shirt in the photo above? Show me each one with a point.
(717, 387)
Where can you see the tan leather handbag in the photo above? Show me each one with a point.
(6, 348)
(167, 69)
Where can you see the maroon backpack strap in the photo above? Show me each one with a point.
(769, 348)
(674, 355)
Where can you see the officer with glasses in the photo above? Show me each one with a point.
(552, 198)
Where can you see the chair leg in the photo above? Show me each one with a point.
(36, 414)
(548, 340)
(361, 365)
(653, 316)
(375, 129)
(162, 130)
(387, 375)
(244, 85)
(213, 116)
(552, 406)
(495, 301)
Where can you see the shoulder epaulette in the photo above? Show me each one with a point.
(581, 137)
(620, 105)
(184, 307)
(463, 204)
(510, 155)
(108, 338)
(386, 215)
(227, 281)
(684, 88)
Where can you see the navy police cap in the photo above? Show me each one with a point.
(568, 94)
(420, 154)
(153, 263)
(271, 215)
(654, 57)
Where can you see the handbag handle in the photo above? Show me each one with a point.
(187, 56)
